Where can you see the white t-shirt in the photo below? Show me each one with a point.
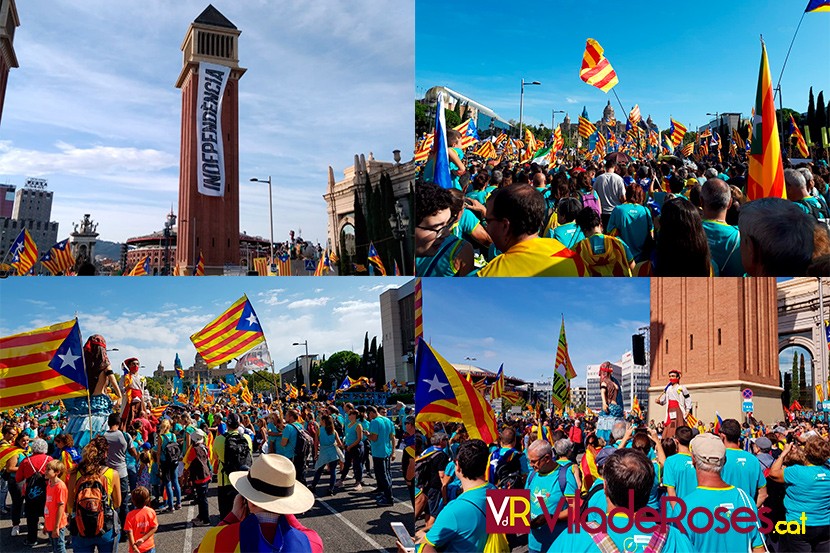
(610, 188)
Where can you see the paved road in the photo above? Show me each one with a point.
(348, 521)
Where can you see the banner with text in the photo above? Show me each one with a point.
(211, 159)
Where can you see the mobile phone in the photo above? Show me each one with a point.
(403, 536)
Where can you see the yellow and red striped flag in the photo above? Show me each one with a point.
(766, 169)
(261, 266)
(59, 258)
(688, 149)
(284, 264)
(23, 252)
(497, 389)
(199, 267)
(800, 144)
(562, 356)
(157, 412)
(586, 128)
(46, 363)
(486, 150)
(233, 333)
(596, 69)
(142, 268)
(530, 140)
(635, 116)
(423, 149)
(677, 131)
(419, 311)
(247, 397)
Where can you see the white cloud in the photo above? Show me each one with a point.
(355, 306)
(310, 302)
(95, 161)
(571, 100)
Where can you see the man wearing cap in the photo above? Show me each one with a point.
(762, 447)
(225, 492)
(742, 469)
(263, 513)
(678, 403)
(714, 495)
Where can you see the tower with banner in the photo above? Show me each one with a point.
(208, 219)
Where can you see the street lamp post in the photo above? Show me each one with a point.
(399, 223)
(168, 229)
(303, 343)
(521, 113)
(271, 217)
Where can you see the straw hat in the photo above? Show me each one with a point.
(271, 484)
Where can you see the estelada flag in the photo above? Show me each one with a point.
(23, 252)
(766, 169)
(59, 258)
(442, 394)
(375, 260)
(596, 70)
(233, 333)
(142, 268)
(497, 389)
(46, 363)
(199, 267)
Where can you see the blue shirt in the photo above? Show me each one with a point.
(632, 541)
(287, 450)
(633, 223)
(545, 487)
(569, 234)
(461, 525)
(351, 433)
(725, 245)
(727, 500)
(383, 427)
(808, 491)
(466, 224)
(679, 473)
(743, 470)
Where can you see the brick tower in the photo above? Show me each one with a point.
(9, 21)
(722, 333)
(209, 222)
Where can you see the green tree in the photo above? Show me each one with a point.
(821, 115)
(337, 366)
(806, 398)
(423, 119)
(157, 386)
(690, 136)
(786, 394)
(795, 387)
(452, 118)
(812, 122)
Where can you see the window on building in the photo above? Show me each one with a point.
(667, 346)
(719, 337)
(691, 341)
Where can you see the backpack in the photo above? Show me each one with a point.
(426, 469)
(506, 472)
(200, 467)
(93, 511)
(172, 452)
(591, 493)
(561, 476)
(338, 426)
(589, 200)
(237, 453)
(303, 445)
(817, 212)
(36, 483)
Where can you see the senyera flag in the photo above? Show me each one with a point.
(596, 70)
(766, 168)
(233, 333)
(443, 395)
(42, 364)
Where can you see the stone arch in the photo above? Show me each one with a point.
(795, 340)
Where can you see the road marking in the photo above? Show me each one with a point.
(349, 523)
(406, 503)
(188, 534)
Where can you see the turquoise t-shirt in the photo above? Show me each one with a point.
(466, 224)
(547, 488)
(272, 447)
(725, 245)
(478, 195)
(444, 265)
(461, 525)
(730, 499)
(633, 221)
(743, 469)
(808, 491)
(597, 242)
(351, 433)
(569, 234)
(632, 541)
(679, 473)
(597, 500)
(383, 427)
(287, 450)
(654, 495)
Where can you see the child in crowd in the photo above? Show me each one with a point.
(141, 523)
(54, 512)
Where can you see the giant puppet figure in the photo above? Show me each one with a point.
(132, 386)
(88, 415)
(679, 404)
(612, 402)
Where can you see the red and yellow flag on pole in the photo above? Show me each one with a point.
(419, 311)
(766, 169)
(800, 144)
(596, 69)
(233, 333)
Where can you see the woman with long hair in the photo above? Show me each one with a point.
(330, 453)
(682, 248)
(354, 450)
(168, 467)
(91, 470)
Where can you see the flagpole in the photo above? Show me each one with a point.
(88, 395)
(620, 101)
(778, 86)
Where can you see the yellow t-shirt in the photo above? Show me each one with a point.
(536, 257)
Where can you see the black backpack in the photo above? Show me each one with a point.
(427, 467)
(200, 467)
(338, 426)
(817, 212)
(36, 483)
(237, 453)
(172, 452)
(303, 445)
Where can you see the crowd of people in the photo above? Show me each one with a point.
(119, 484)
(619, 218)
(779, 471)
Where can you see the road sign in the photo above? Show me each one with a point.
(747, 393)
(309, 265)
(496, 404)
(748, 406)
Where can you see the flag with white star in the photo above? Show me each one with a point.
(42, 364)
(231, 334)
(443, 395)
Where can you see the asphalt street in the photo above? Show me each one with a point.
(348, 521)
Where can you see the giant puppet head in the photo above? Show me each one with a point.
(674, 376)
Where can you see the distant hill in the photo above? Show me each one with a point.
(112, 250)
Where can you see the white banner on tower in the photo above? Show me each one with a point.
(210, 155)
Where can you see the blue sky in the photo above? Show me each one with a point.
(683, 59)
(93, 107)
(152, 319)
(516, 321)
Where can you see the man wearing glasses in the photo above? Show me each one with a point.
(437, 251)
(549, 481)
